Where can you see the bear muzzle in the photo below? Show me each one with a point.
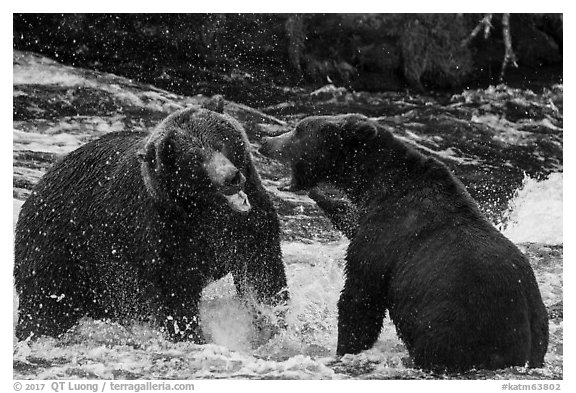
(229, 181)
(276, 147)
(234, 194)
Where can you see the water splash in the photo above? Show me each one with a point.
(535, 212)
(315, 278)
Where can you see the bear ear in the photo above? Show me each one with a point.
(363, 132)
(157, 158)
(159, 150)
(215, 104)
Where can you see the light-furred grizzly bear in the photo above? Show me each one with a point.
(460, 294)
(134, 225)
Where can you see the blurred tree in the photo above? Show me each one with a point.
(296, 33)
(486, 24)
(193, 53)
(211, 33)
(431, 49)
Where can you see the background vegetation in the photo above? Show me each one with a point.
(232, 53)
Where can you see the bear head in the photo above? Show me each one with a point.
(195, 158)
(320, 146)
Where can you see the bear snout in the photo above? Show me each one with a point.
(275, 147)
(228, 180)
(222, 172)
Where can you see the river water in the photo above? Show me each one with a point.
(488, 137)
(306, 349)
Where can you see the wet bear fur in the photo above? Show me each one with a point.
(134, 225)
(460, 294)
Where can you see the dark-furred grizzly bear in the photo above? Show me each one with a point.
(460, 294)
(134, 225)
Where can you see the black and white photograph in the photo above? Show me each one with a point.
(286, 196)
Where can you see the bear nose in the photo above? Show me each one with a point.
(236, 180)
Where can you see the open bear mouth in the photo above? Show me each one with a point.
(238, 201)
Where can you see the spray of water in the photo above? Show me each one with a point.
(535, 212)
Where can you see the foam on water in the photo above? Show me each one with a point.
(315, 278)
(535, 212)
